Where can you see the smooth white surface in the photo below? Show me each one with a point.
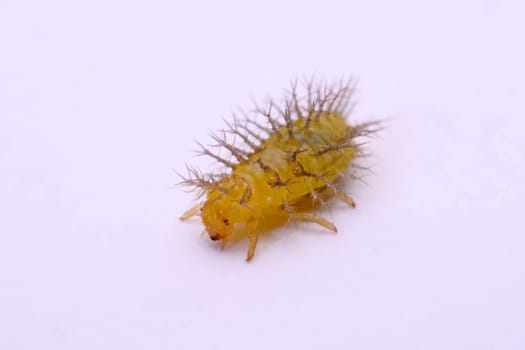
(100, 100)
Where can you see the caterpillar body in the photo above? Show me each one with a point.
(283, 169)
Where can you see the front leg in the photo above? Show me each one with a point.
(193, 211)
(253, 235)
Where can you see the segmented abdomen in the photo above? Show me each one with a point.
(297, 161)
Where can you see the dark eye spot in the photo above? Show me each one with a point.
(226, 221)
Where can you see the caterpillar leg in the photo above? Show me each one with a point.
(253, 235)
(194, 211)
(332, 190)
(310, 217)
(344, 198)
(223, 243)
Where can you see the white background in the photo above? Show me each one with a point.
(100, 101)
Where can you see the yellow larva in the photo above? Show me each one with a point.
(283, 169)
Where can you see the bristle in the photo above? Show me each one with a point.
(238, 153)
(295, 100)
(206, 152)
(336, 147)
(287, 115)
(343, 103)
(199, 182)
(235, 131)
(244, 126)
(267, 113)
(322, 95)
(310, 104)
(259, 126)
(368, 128)
(342, 93)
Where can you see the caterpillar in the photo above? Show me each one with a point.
(284, 167)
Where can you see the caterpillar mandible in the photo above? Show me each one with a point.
(282, 170)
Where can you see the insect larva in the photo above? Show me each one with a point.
(281, 167)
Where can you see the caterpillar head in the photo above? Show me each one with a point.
(223, 208)
(219, 217)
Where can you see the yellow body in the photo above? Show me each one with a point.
(288, 169)
(307, 147)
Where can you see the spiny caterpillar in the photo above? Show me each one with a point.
(283, 169)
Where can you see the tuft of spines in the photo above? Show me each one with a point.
(206, 152)
(324, 98)
(239, 154)
(200, 182)
(234, 129)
